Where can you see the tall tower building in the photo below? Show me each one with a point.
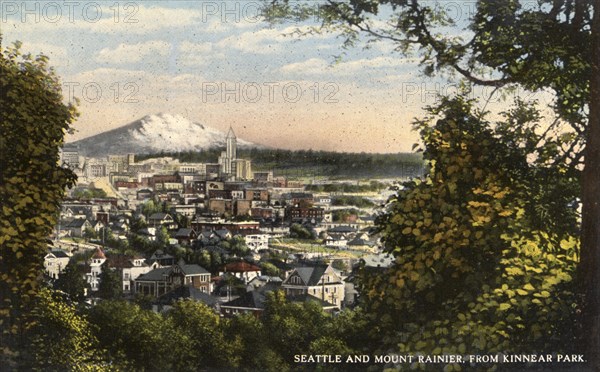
(229, 156)
(231, 145)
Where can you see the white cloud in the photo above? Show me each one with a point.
(127, 53)
(269, 40)
(313, 65)
(318, 66)
(57, 54)
(100, 17)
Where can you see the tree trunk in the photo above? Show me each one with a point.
(590, 241)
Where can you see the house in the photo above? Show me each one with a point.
(359, 242)
(182, 293)
(262, 280)
(78, 226)
(162, 219)
(186, 236)
(129, 268)
(95, 269)
(336, 241)
(161, 258)
(242, 270)
(55, 262)
(165, 279)
(318, 280)
(253, 302)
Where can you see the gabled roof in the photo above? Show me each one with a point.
(160, 255)
(99, 254)
(193, 269)
(222, 233)
(240, 267)
(59, 253)
(78, 222)
(156, 275)
(250, 300)
(311, 275)
(184, 233)
(159, 216)
(359, 241)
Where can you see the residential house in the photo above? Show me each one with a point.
(242, 270)
(186, 236)
(165, 279)
(55, 262)
(162, 219)
(161, 259)
(95, 269)
(253, 302)
(129, 269)
(318, 280)
(78, 226)
(185, 293)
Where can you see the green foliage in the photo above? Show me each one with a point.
(60, 339)
(475, 272)
(88, 193)
(33, 123)
(111, 285)
(356, 201)
(344, 215)
(201, 337)
(72, 282)
(269, 269)
(134, 339)
(235, 246)
(373, 186)
(291, 327)
(298, 231)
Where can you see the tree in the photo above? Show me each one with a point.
(60, 338)
(134, 339)
(111, 285)
(72, 282)
(553, 45)
(291, 327)
(269, 269)
(479, 266)
(300, 232)
(203, 332)
(33, 123)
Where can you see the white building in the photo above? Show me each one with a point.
(55, 262)
(257, 241)
(93, 276)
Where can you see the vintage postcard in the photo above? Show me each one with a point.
(301, 185)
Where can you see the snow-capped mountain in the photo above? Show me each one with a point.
(155, 133)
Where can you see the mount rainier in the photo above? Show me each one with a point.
(155, 133)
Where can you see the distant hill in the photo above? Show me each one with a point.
(154, 134)
(315, 164)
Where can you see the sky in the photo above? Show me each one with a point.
(218, 63)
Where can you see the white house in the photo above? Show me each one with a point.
(55, 262)
(93, 276)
